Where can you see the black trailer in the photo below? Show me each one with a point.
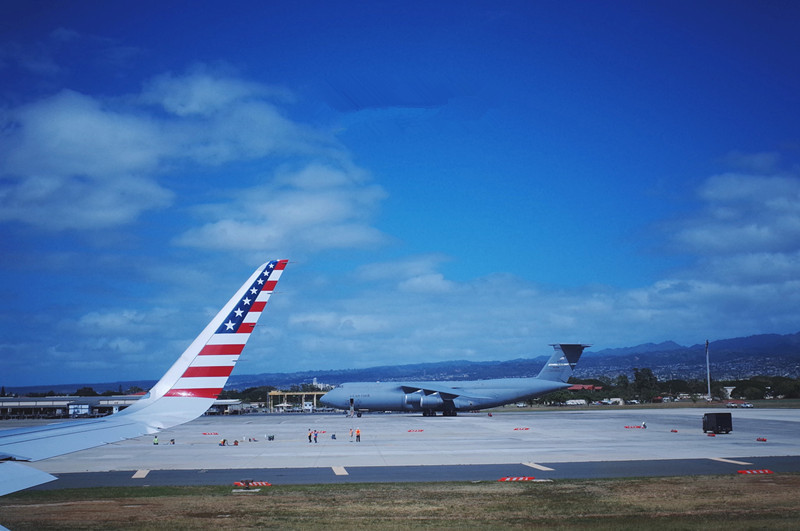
(717, 422)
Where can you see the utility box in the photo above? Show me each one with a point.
(717, 422)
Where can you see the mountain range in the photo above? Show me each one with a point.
(730, 359)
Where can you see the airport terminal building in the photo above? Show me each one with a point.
(61, 407)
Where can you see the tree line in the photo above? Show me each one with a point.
(644, 387)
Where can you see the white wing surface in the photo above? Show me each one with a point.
(184, 393)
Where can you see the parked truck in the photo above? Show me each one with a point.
(717, 422)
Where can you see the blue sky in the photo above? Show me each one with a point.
(451, 180)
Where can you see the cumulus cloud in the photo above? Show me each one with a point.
(315, 208)
(69, 163)
(738, 285)
(745, 244)
(402, 269)
(339, 323)
(102, 322)
(746, 214)
(74, 161)
(201, 92)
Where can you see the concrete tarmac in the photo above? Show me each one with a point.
(605, 442)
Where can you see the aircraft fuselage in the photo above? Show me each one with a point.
(437, 396)
(453, 396)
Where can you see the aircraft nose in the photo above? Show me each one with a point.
(332, 398)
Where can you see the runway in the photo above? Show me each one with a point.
(473, 447)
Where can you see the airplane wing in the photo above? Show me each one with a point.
(447, 392)
(184, 393)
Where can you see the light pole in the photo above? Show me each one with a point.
(708, 372)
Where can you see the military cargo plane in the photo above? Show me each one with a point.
(450, 397)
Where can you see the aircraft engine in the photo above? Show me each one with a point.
(462, 404)
(431, 401)
(412, 399)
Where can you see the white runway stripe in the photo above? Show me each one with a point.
(721, 460)
(140, 474)
(538, 467)
(340, 471)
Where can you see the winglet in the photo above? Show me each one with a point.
(185, 392)
(197, 378)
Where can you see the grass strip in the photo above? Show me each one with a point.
(707, 502)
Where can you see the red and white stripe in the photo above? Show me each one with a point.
(208, 372)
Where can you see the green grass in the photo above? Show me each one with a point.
(701, 502)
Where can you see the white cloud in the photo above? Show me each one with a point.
(290, 213)
(73, 134)
(203, 93)
(119, 345)
(336, 323)
(431, 283)
(745, 214)
(743, 282)
(69, 163)
(73, 161)
(401, 269)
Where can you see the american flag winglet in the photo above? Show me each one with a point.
(207, 373)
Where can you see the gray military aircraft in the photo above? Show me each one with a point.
(449, 397)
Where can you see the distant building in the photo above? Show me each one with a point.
(582, 387)
(56, 407)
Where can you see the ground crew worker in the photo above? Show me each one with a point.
(358, 434)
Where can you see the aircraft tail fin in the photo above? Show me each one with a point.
(561, 364)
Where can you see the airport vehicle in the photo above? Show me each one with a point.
(717, 422)
(449, 397)
(185, 391)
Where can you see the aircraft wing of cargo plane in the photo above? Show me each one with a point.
(449, 397)
(185, 392)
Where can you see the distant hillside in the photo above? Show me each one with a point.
(738, 358)
(666, 346)
(769, 354)
(447, 370)
(66, 389)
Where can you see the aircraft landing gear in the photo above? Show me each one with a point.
(445, 413)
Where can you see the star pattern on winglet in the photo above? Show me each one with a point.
(236, 317)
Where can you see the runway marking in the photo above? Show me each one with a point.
(731, 461)
(140, 474)
(340, 471)
(538, 467)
